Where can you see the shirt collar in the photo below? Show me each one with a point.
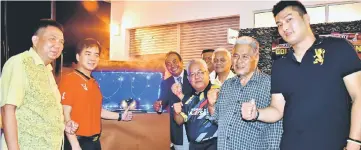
(83, 75)
(256, 75)
(205, 90)
(181, 75)
(212, 75)
(318, 41)
(217, 81)
(230, 75)
(37, 59)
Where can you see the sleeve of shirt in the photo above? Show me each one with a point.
(274, 135)
(275, 79)
(214, 118)
(65, 89)
(350, 62)
(162, 95)
(13, 82)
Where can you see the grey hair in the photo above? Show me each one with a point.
(229, 55)
(249, 41)
(197, 61)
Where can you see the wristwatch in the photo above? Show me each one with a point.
(185, 117)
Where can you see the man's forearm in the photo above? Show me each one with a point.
(10, 126)
(73, 141)
(109, 115)
(355, 129)
(269, 114)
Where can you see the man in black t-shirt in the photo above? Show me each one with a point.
(313, 87)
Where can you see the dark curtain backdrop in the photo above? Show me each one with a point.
(17, 22)
(81, 19)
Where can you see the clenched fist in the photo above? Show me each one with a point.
(71, 127)
(177, 90)
(249, 110)
(157, 105)
(177, 107)
(212, 96)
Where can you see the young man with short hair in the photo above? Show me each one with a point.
(315, 87)
(82, 99)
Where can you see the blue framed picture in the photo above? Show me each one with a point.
(116, 86)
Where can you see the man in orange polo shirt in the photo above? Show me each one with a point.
(82, 99)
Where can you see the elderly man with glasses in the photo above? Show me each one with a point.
(201, 132)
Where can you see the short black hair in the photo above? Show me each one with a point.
(43, 23)
(207, 50)
(175, 53)
(296, 5)
(87, 43)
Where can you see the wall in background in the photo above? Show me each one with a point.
(131, 14)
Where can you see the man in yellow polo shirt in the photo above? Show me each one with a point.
(32, 114)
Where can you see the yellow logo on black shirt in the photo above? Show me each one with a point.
(319, 56)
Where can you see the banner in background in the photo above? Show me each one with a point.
(280, 47)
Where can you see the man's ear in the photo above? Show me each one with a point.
(257, 57)
(306, 18)
(35, 39)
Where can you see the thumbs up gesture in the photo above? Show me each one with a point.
(249, 110)
(177, 90)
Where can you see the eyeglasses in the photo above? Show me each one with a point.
(198, 73)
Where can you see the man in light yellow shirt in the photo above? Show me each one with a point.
(31, 111)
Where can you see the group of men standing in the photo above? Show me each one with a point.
(312, 99)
